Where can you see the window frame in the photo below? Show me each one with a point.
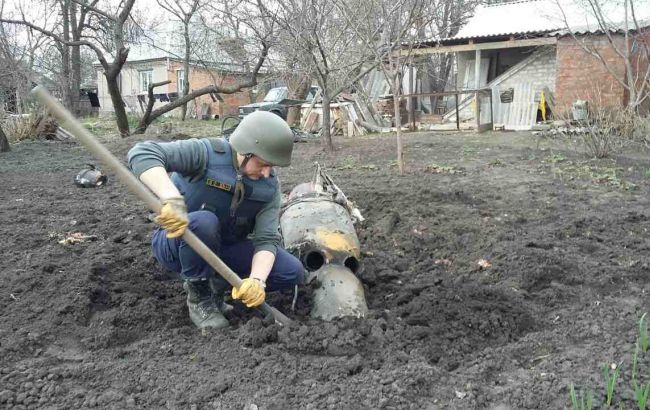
(180, 85)
(144, 85)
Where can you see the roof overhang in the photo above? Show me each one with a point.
(471, 46)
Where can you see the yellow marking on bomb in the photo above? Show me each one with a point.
(336, 241)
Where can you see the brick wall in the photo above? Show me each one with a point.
(199, 78)
(583, 76)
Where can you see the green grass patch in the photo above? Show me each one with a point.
(555, 159)
(496, 163)
(469, 151)
(607, 176)
(442, 169)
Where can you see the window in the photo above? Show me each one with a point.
(276, 94)
(507, 95)
(146, 78)
(180, 81)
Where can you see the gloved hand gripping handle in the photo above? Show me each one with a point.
(138, 188)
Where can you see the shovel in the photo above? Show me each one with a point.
(95, 147)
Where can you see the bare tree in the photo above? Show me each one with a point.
(184, 11)
(21, 49)
(104, 24)
(259, 28)
(387, 29)
(150, 115)
(633, 48)
(75, 20)
(326, 44)
(445, 18)
(298, 85)
(69, 28)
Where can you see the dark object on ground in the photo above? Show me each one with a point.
(90, 177)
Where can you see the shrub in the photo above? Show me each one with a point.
(608, 129)
(29, 126)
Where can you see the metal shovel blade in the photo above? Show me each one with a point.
(339, 294)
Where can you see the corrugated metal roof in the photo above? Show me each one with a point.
(548, 16)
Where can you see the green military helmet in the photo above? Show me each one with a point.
(265, 135)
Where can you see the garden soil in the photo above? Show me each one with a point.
(498, 269)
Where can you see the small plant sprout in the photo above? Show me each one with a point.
(640, 385)
(555, 158)
(585, 402)
(635, 361)
(610, 374)
(643, 333)
(641, 393)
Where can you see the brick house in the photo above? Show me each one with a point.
(520, 50)
(139, 72)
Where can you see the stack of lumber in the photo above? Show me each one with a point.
(343, 119)
(350, 115)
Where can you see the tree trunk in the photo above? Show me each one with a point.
(147, 118)
(327, 135)
(75, 79)
(186, 68)
(75, 60)
(300, 93)
(66, 96)
(398, 121)
(118, 105)
(4, 142)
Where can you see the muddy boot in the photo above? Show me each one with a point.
(219, 288)
(203, 309)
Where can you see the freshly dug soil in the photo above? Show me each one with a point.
(498, 271)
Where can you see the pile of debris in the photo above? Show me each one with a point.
(351, 114)
(36, 125)
(560, 128)
(346, 116)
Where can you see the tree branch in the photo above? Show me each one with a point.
(92, 8)
(97, 50)
(151, 100)
(213, 88)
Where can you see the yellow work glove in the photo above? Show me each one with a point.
(173, 217)
(251, 292)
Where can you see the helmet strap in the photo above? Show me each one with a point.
(238, 196)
